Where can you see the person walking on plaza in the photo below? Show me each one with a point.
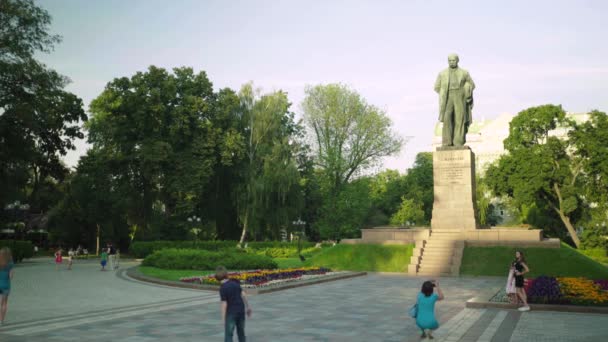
(58, 259)
(70, 258)
(112, 255)
(234, 305)
(425, 319)
(6, 274)
(520, 268)
(104, 259)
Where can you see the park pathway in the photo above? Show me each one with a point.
(88, 305)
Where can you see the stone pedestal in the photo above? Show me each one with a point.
(454, 188)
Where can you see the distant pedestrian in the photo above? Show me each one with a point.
(70, 258)
(117, 258)
(520, 268)
(104, 259)
(6, 275)
(234, 305)
(112, 256)
(425, 320)
(58, 259)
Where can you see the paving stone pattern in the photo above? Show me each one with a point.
(88, 305)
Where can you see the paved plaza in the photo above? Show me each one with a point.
(88, 305)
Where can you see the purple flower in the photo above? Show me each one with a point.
(545, 290)
(603, 283)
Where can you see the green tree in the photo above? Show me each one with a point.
(346, 216)
(539, 168)
(590, 139)
(485, 207)
(386, 189)
(271, 192)
(93, 203)
(349, 136)
(157, 127)
(39, 120)
(419, 184)
(409, 212)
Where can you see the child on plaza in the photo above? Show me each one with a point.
(104, 259)
(6, 274)
(234, 305)
(58, 259)
(70, 258)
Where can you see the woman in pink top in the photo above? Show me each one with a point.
(58, 259)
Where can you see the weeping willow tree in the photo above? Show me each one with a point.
(270, 196)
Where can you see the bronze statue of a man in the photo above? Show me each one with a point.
(455, 88)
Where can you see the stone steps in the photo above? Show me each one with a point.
(440, 255)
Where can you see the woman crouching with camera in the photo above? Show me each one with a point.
(425, 320)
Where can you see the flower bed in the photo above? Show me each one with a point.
(259, 278)
(563, 290)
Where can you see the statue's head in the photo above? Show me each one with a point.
(453, 60)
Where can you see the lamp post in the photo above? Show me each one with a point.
(195, 221)
(17, 209)
(299, 224)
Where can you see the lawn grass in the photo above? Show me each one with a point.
(597, 254)
(362, 257)
(564, 261)
(174, 275)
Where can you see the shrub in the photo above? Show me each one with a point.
(196, 259)
(19, 249)
(142, 249)
(597, 254)
(278, 244)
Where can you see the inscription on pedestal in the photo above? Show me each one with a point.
(454, 178)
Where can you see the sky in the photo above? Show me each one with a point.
(519, 53)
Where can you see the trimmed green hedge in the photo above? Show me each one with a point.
(142, 249)
(282, 252)
(196, 259)
(20, 249)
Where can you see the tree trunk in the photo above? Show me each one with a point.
(570, 228)
(245, 227)
(563, 216)
(97, 249)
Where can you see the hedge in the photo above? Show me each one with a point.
(196, 259)
(283, 252)
(142, 249)
(20, 249)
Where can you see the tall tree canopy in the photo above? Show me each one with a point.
(349, 134)
(166, 133)
(39, 120)
(271, 192)
(348, 137)
(540, 167)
